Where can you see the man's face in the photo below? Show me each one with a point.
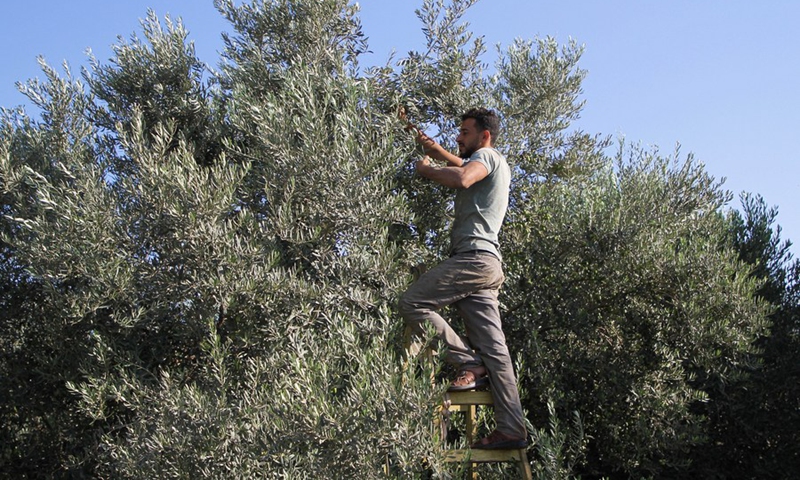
(469, 138)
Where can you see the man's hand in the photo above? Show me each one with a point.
(428, 144)
(422, 164)
(425, 141)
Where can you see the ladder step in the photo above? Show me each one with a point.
(470, 397)
(481, 456)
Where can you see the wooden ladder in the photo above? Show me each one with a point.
(467, 402)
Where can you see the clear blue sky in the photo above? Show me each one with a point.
(717, 76)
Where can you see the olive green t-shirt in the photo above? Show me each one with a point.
(480, 209)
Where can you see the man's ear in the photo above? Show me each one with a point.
(486, 137)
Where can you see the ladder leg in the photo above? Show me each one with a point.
(472, 427)
(524, 466)
(472, 433)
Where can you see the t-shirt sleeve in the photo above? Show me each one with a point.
(485, 158)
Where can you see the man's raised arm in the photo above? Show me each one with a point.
(438, 152)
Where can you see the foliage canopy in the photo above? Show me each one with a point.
(200, 269)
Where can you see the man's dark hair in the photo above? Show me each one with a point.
(485, 119)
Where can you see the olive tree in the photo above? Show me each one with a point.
(200, 267)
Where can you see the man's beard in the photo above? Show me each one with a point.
(468, 150)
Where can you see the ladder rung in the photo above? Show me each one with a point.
(470, 397)
(479, 456)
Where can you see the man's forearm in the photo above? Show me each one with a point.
(450, 176)
(439, 153)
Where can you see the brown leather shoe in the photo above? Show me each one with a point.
(468, 380)
(500, 441)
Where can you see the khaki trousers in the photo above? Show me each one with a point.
(471, 282)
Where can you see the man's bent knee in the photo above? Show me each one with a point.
(406, 307)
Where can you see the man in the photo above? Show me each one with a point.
(471, 278)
